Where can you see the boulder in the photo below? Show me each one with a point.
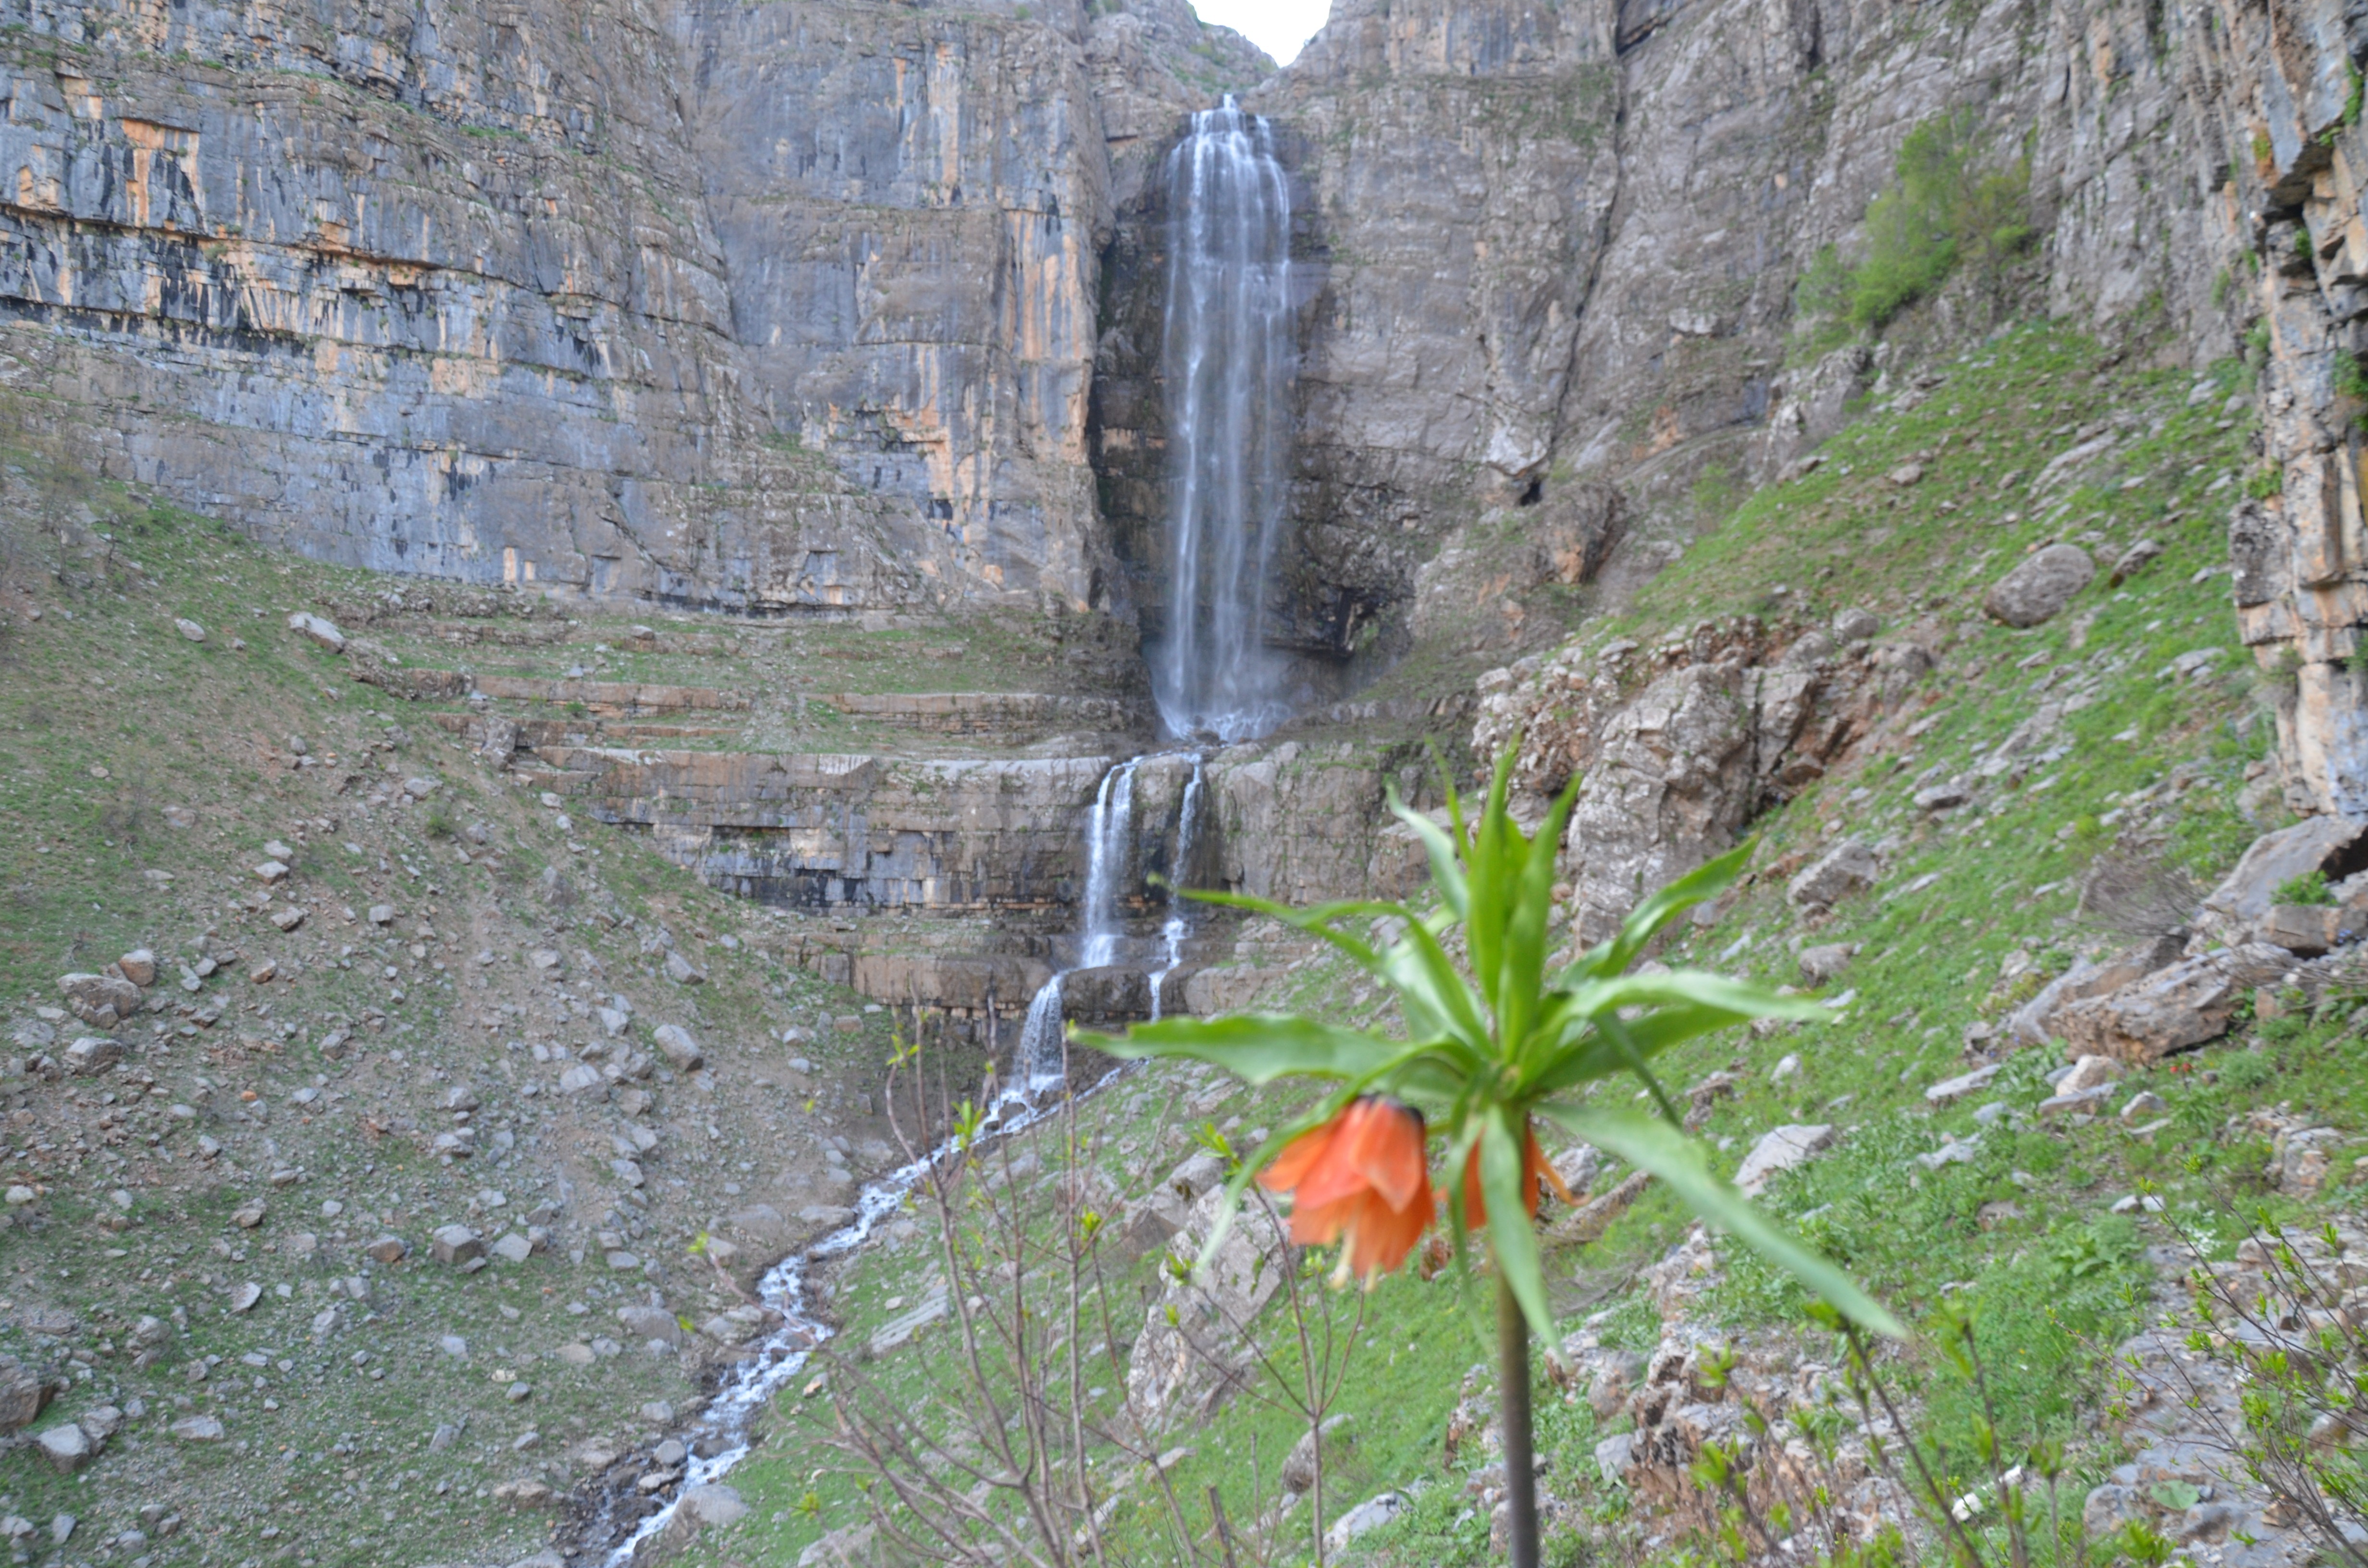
(2172, 1009)
(1778, 1150)
(2244, 894)
(320, 629)
(651, 1323)
(2132, 561)
(1951, 1089)
(1299, 1465)
(2089, 1072)
(387, 1249)
(100, 1000)
(1823, 965)
(139, 967)
(710, 1506)
(2040, 586)
(22, 1394)
(456, 1244)
(680, 1048)
(64, 1446)
(189, 628)
(93, 1054)
(1370, 1515)
(1850, 867)
(2034, 1022)
(2308, 929)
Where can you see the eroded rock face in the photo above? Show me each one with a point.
(752, 308)
(1680, 745)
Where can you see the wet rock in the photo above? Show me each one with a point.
(2038, 589)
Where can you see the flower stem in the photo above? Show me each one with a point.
(1513, 1415)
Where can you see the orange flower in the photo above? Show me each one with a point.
(1534, 1169)
(1360, 1175)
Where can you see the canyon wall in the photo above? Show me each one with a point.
(846, 306)
(754, 308)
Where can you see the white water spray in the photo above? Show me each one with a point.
(1227, 362)
(1110, 834)
(1177, 926)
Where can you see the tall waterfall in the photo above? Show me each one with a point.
(1226, 360)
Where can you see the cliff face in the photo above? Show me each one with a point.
(752, 308)
(852, 305)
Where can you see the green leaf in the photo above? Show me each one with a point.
(1446, 875)
(1510, 1233)
(1524, 959)
(1257, 1046)
(1678, 1160)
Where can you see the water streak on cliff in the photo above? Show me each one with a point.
(1227, 363)
(1109, 840)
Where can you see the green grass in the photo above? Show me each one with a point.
(1976, 910)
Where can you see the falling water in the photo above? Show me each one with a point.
(1227, 360)
(1176, 926)
(1108, 837)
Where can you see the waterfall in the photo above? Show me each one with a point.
(1110, 833)
(1226, 361)
(1173, 931)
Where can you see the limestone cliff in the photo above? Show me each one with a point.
(755, 309)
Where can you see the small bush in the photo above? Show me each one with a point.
(1942, 211)
(2309, 889)
(441, 823)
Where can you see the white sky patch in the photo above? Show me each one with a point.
(1279, 27)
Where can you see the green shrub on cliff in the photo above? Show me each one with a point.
(1941, 210)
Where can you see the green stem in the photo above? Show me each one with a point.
(1513, 1413)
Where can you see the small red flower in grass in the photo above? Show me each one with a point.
(1534, 1169)
(1362, 1175)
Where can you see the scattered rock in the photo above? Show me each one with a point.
(101, 1001)
(679, 1047)
(512, 1248)
(243, 1298)
(2132, 561)
(22, 1394)
(322, 631)
(456, 1244)
(2040, 586)
(1824, 965)
(1850, 867)
(2089, 1072)
(1957, 1088)
(272, 871)
(189, 628)
(682, 972)
(1945, 796)
(139, 967)
(198, 1429)
(1906, 474)
(65, 1445)
(1855, 625)
(387, 1249)
(1370, 1515)
(92, 1054)
(1778, 1150)
(2143, 1104)
(249, 1214)
(711, 1506)
(2182, 1005)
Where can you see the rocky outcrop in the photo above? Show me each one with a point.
(1681, 744)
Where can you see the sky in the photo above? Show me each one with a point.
(1279, 27)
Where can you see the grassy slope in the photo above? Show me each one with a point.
(108, 717)
(2048, 1274)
